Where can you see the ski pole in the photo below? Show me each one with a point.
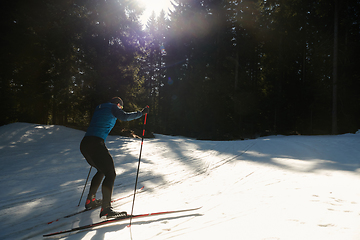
(137, 173)
(85, 185)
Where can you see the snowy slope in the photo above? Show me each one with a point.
(277, 187)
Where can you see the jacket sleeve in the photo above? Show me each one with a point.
(124, 116)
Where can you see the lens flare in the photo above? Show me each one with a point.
(162, 50)
(170, 81)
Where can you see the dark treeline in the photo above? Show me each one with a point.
(212, 69)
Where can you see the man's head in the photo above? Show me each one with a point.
(118, 101)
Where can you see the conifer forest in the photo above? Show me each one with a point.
(208, 69)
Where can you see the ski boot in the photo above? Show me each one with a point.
(108, 212)
(92, 202)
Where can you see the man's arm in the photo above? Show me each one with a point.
(124, 116)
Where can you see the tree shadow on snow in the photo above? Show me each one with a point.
(296, 153)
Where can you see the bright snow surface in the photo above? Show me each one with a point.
(276, 187)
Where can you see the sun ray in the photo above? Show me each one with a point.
(151, 6)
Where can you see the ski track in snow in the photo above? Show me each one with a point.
(276, 187)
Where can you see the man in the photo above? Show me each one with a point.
(97, 155)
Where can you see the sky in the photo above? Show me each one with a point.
(153, 5)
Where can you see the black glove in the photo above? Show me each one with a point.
(145, 110)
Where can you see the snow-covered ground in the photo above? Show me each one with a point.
(277, 187)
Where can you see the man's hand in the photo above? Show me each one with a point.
(145, 110)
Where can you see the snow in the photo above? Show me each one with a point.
(276, 187)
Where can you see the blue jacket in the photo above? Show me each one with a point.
(104, 119)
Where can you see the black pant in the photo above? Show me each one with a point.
(98, 156)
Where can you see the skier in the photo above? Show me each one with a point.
(97, 155)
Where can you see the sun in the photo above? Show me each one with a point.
(153, 6)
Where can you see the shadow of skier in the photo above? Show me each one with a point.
(101, 231)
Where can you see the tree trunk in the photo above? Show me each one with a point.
(335, 65)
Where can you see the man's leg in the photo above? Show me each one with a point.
(107, 167)
(101, 159)
(89, 147)
(107, 188)
(95, 183)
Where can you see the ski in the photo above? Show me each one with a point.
(108, 221)
(85, 210)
